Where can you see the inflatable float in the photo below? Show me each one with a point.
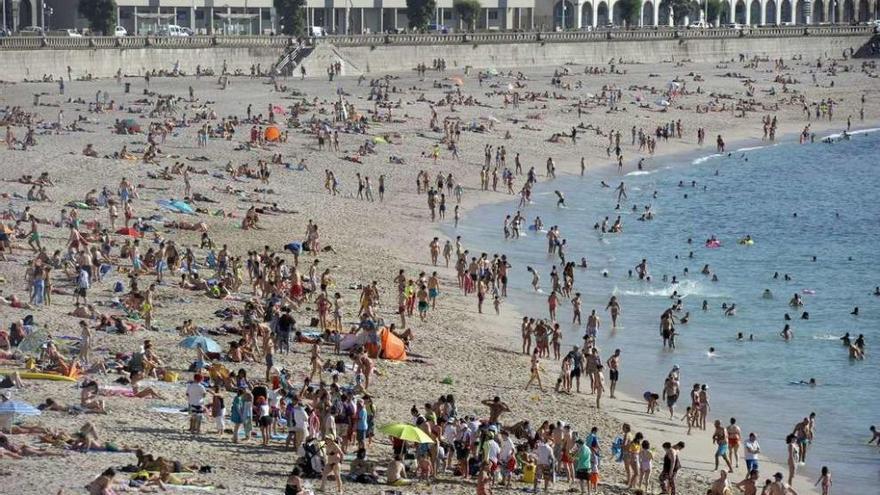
(33, 375)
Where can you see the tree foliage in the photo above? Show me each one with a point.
(467, 11)
(101, 15)
(629, 11)
(291, 16)
(717, 10)
(420, 13)
(684, 8)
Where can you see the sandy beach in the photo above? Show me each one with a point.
(456, 350)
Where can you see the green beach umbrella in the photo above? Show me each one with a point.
(406, 432)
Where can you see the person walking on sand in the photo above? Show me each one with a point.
(670, 392)
(720, 439)
(613, 371)
(734, 434)
(535, 371)
(751, 449)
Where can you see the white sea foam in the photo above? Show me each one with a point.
(706, 158)
(684, 288)
(641, 172)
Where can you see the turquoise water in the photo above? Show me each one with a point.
(833, 188)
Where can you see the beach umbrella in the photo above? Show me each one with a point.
(492, 71)
(406, 432)
(457, 81)
(15, 408)
(278, 109)
(208, 345)
(130, 232)
(490, 118)
(662, 103)
(379, 140)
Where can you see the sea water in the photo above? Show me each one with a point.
(833, 191)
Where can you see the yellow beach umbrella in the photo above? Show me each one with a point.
(406, 432)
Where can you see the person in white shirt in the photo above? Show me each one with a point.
(504, 458)
(752, 449)
(546, 461)
(195, 398)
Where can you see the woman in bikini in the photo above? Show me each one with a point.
(334, 459)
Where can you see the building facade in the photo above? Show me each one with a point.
(579, 14)
(144, 17)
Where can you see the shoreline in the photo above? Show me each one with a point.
(625, 408)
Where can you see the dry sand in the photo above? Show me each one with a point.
(371, 241)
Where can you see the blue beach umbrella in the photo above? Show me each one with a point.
(208, 345)
(13, 408)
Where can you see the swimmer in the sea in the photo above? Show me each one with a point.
(561, 202)
(731, 311)
(845, 339)
(787, 333)
(767, 294)
(739, 336)
(875, 436)
(711, 352)
(856, 353)
(805, 315)
(855, 311)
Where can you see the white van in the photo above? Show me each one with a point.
(172, 30)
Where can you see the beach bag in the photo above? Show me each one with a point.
(118, 287)
(528, 475)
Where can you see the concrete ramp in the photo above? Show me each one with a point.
(325, 54)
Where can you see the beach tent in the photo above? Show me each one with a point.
(272, 134)
(392, 347)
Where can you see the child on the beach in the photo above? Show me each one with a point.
(825, 479)
(594, 471)
(497, 304)
(651, 398)
(690, 417)
(646, 463)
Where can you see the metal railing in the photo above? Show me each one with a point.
(108, 42)
(104, 42)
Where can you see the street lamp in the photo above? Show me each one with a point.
(563, 14)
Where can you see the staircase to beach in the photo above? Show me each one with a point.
(291, 59)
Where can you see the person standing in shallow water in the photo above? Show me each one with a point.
(613, 307)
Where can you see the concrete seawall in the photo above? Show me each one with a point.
(32, 57)
(21, 64)
(393, 58)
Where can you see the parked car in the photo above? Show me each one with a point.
(171, 30)
(735, 26)
(120, 31)
(698, 25)
(73, 33)
(31, 31)
(316, 32)
(438, 28)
